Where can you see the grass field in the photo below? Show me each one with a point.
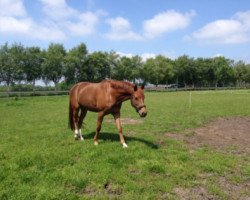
(39, 158)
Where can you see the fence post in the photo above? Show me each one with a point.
(190, 99)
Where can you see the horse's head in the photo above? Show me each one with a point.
(137, 101)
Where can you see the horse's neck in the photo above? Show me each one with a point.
(122, 90)
(124, 97)
(123, 94)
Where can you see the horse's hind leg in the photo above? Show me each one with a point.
(80, 121)
(76, 119)
(98, 126)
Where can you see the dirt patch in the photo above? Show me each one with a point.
(112, 190)
(235, 191)
(126, 121)
(90, 191)
(231, 134)
(193, 193)
(232, 191)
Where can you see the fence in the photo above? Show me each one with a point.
(162, 89)
(151, 89)
(32, 93)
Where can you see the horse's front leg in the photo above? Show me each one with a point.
(119, 127)
(98, 126)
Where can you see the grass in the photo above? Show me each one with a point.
(39, 158)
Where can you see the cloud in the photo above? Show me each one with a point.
(49, 32)
(74, 22)
(14, 8)
(167, 21)
(15, 20)
(85, 25)
(26, 27)
(235, 30)
(146, 55)
(244, 18)
(120, 29)
(57, 9)
(171, 20)
(11, 24)
(128, 55)
(59, 22)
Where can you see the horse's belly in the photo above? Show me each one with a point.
(91, 104)
(93, 108)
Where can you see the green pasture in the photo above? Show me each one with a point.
(39, 158)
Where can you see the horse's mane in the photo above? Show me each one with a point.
(121, 84)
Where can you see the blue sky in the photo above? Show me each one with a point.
(197, 28)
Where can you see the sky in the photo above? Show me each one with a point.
(172, 28)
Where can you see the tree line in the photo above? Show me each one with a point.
(19, 64)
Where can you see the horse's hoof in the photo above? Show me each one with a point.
(95, 143)
(124, 145)
(81, 138)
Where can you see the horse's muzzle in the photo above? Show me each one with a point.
(142, 111)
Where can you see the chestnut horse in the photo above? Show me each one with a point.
(105, 98)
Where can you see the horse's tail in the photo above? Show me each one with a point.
(71, 120)
(71, 111)
(73, 104)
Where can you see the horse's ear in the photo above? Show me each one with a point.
(143, 86)
(135, 88)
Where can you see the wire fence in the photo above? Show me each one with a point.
(32, 93)
(151, 89)
(162, 89)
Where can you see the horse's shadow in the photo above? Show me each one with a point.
(115, 137)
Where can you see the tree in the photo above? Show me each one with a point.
(148, 72)
(11, 64)
(32, 68)
(6, 68)
(74, 64)
(134, 68)
(164, 67)
(224, 73)
(18, 64)
(241, 72)
(205, 72)
(119, 70)
(185, 71)
(17, 60)
(158, 70)
(53, 63)
(247, 75)
(113, 59)
(128, 68)
(97, 67)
